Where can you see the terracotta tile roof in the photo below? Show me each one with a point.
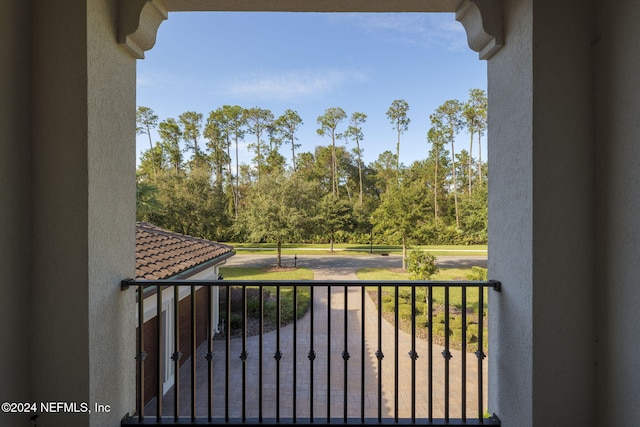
(161, 254)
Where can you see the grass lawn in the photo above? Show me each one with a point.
(353, 249)
(243, 273)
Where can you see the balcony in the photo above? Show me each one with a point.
(342, 361)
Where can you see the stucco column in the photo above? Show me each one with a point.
(82, 341)
(618, 170)
(542, 364)
(15, 203)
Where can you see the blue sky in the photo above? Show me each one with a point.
(309, 62)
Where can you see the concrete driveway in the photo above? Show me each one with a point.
(328, 347)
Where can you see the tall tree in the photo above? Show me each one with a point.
(447, 120)
(308, 169)
(191, 131)
(401, 209)
(397, 115)
(329, 122)
(354, 132)
(170, 133)
(146, 120)
(385, 167)
(152, 162)
(235, 119)
(216, 133)
(474, 113)
(218, 120)
(478, 100)
(258, 120)
(287, 125)
(346, 172)
(333, 215)
(278, 210)
(464, 172)
(473, 215)
(191, 205)
(147, 201)
(469, 117)
(274, 161)
(435, 138)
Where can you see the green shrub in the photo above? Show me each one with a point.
(421, 265)
(472, 333)
(404, 295)
(422, 321)
(404, 311)
(253, 307)
(455, 322)
(389, 306)
(303, 302)
(270, 311)
(456, 333)
(438, 329)
(478, 273)
(236, 321)
(420, 308)
(286, 306)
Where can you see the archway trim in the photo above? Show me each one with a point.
(482, 19)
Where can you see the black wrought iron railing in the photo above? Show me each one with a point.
(353, 352)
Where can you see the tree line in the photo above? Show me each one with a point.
(191, 181)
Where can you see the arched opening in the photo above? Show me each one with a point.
(422, 119)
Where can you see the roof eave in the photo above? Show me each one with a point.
(201, 267)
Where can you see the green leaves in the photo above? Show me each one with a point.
(146, 200)
(328, 194)
(185, 202)
(146, 119)
(191, 123)
(277, 209)
(258, 121)
(421, 265)
(330, 120)
(397, 115)
(333, 215)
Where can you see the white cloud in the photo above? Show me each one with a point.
(292, 85)
(424, 29)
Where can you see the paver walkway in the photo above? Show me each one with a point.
(323, 374)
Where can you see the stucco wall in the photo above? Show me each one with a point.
(618, 229)
(541, 216)
(111, 105)
(60, 277)
(83, 144)
(15, 205)
(510, 143)
(563, 216)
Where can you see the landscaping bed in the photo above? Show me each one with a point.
(270, 314)
(438, 318)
